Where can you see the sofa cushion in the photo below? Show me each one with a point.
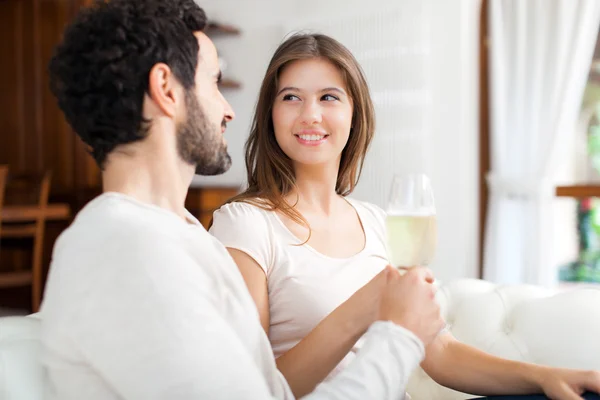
(21, 375)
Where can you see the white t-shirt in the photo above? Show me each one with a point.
(304, 285)
(141, 304)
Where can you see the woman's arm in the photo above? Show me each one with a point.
(310, 361)
(256, 281)
(467, 369)
(464, 368)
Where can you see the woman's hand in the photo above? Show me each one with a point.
(362, 308)
(407, 300)
(567, 384)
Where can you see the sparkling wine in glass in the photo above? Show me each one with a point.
(411, 222)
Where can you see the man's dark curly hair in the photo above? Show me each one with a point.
(100, 71)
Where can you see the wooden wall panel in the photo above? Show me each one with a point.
(202, 202)
(34, 136)
(57, 135)
(11, 120)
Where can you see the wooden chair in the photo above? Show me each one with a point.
(34, 192)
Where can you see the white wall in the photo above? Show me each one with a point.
(455, 126)
(444, 139)
(247, 57)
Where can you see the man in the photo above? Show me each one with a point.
(141, 302)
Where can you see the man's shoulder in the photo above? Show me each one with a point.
(112, 223)
(115, 249)
(119, 215)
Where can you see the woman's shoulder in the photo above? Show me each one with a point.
(247, 206)
(245, 213)
(245, 226)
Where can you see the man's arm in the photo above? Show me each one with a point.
(381, 368)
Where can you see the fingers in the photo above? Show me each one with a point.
(574, 396)
(384, 274)
(391, 270)
(568, 393)
(418, 275)
(440, 324)
(592, 382)
(422, 273)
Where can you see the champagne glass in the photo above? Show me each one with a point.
(411, 222)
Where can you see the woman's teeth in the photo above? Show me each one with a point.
(311, 137)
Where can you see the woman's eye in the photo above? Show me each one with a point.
(329, 97)
(290, 97)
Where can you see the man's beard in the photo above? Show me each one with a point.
(199, 142)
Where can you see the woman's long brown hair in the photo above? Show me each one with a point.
(270, 171)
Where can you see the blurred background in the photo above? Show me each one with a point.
(498, 101)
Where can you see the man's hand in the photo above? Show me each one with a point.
(409, 301)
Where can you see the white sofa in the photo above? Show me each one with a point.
(20, 371)
(518, 322)
(559, 328)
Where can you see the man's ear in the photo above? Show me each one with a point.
(162, 89)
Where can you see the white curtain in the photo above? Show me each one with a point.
(540, 55)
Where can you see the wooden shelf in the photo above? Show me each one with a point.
(578, 191)
(217, 29)
(229, 84)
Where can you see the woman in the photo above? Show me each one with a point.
(305, 249)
